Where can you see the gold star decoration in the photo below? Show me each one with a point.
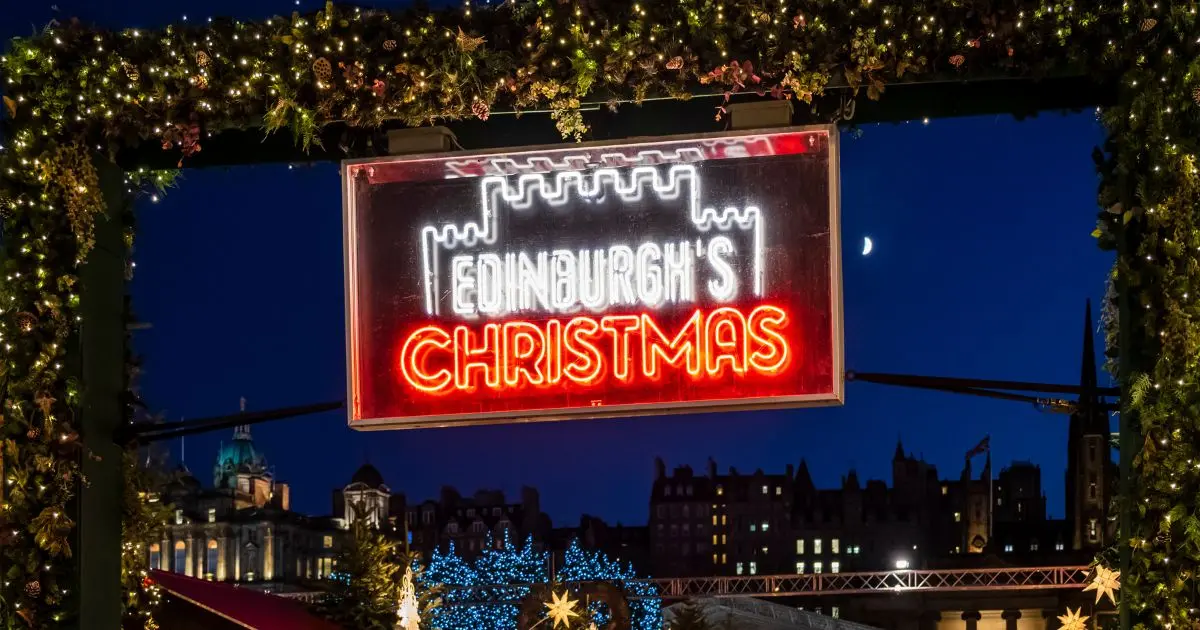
(1105, 582)
(561, 610)
(1073, 620)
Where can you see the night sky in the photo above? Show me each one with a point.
(981, 266)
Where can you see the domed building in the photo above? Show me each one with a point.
(367, 492)
(242, 529)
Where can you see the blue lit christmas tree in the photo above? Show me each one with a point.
(582, 565)
(485, 594)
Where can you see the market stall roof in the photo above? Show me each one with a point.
(244, 607)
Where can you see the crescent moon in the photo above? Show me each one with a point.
(868, 245)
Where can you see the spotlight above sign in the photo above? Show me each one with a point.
(671, 275)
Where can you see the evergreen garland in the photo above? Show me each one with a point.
(366, 599)
(73, 88)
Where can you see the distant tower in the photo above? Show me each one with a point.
(1089, 480)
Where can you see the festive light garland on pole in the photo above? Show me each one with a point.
(74, 88)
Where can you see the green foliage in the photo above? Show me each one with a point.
(143, 517)
(367, 599)
(74, 87)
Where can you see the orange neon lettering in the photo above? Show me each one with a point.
(524, 345)
(413, 357)
(771, 356)
(684, 349)
(554, 343)
(725, 334)
(586, 367)
(584, 351)
(620, 326)
(473, 353)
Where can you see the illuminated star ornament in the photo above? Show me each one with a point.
(1073, 620)
(1105, 581)
(561, 610)
(409, 612)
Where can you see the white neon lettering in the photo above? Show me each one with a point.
(649, 274)
(489, 279)
(620, 288)
(722, 288)
(563, 293)
(678, 279)
(535, 281)
(592, 279)
(463, 270)
(560, 280)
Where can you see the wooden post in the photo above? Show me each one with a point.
(102, 349)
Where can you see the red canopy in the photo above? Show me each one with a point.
(247, 607)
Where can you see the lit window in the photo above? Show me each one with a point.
(818, 567)
(1007, 548)
(212, 515)
(799, 546)
(753, 527)
(327, 542)
(1058, 546)
(714, 558)
(837, 614)
(835, 546)
(155, 556)
(902, 564)
(817, 545)
(765, 490)
(835, 567)
(766, 526)
(723, 539)
(724, 520)
(714, 520)
(753, 568)
(945, 490)
(179, 517)
(1033, 546)
(714, 539)
(778, 491)
(958, 517)
(799, 567)
(723, 559)
(720, 490)
(1093, 530)
(765, 551)
(739, 568)
(957, 549)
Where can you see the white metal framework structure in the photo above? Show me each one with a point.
(939, 580)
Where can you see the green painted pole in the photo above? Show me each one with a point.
(102, 349)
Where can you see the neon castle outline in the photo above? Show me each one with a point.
(559, 189)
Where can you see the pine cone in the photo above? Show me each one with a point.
(323, 70)
(1148, 24)
(33, 589)
(33, 433)
(202, 59)
(389, 45)
(675, 63)
(26, 322)
(480, 109)
(1196, 95)
(200, 81)
(958, 60)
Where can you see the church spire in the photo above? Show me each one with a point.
(1087, 369)
(899, 450)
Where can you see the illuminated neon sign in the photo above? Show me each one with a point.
(682, 274)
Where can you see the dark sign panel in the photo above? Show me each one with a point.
(662, 276)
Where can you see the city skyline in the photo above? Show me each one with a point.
(998, 298)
